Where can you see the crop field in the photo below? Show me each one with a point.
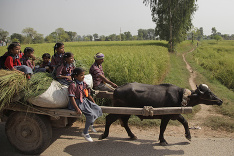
(129, 61)
(214, 62)
(218, 59)
(149, 62)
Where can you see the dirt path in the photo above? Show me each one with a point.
(205, 111)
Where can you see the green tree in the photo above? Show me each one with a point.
(151, 34)
(213, 31)
(14, 40)
(111, 37)
(3, 35)
(200, 34)
(134, 37)
(72, 35)
(50, 38)
(218, 38)
(201, 31)
(173, 19)
(61, 35)
(38, 38)
(226, 37)
(142, 34)
(90, 37)
(19, 37)
(30, 34)
(95, 36)
(123, 37)
(102, 37)
(78, 38)
(128, 35)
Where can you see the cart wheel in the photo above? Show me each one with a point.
(29, 133)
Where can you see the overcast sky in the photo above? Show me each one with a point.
(103, 17)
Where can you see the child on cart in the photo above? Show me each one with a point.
(46, 64)
(13, 63)
(57, 58)
(82, 102)
(64, 71)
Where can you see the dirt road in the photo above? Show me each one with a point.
(68, 141)
(205, 142)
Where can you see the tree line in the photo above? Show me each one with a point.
(197, 34)
(30, 36)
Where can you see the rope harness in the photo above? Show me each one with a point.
(148, 111)
(185, 99)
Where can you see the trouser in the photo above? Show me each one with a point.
(87, 124)
(104, 87)
(24, 68)
(36, 70)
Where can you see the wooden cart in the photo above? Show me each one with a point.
(29, 128)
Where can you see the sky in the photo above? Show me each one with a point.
(104, 17)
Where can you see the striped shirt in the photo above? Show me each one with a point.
(95, 71)
(65, 70)
(76, 89)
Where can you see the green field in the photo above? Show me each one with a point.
(149, 62)
(217, 58)
(211, 54)
(130, 61)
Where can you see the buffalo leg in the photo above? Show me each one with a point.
(125, 124)
(164, 122)
(184, 122)
(109, 120)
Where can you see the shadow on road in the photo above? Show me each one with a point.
(110, 146)
(120, 146)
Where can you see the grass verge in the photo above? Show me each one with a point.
(227, 109)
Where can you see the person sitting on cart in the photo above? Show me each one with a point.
(64, 71)
(100, 82)
(82, 102)
(13, 63)
(46, 64)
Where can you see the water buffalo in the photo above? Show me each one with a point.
(164, 95)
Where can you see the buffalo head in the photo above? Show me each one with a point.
(205, 96)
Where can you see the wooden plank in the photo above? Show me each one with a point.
(139, 111)
(172, 110)
(56, 113)
(45, 111)
(104, 94)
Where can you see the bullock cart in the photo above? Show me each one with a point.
(29, 128)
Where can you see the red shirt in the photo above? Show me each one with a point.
(21, 55)
(10, 63)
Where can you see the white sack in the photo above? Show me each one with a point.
(56, 96)
(89, 80)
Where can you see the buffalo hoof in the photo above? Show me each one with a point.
(163, 143)
(102, 137)
(133, 138)
(188, 137)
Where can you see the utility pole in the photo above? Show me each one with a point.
(120, 34)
